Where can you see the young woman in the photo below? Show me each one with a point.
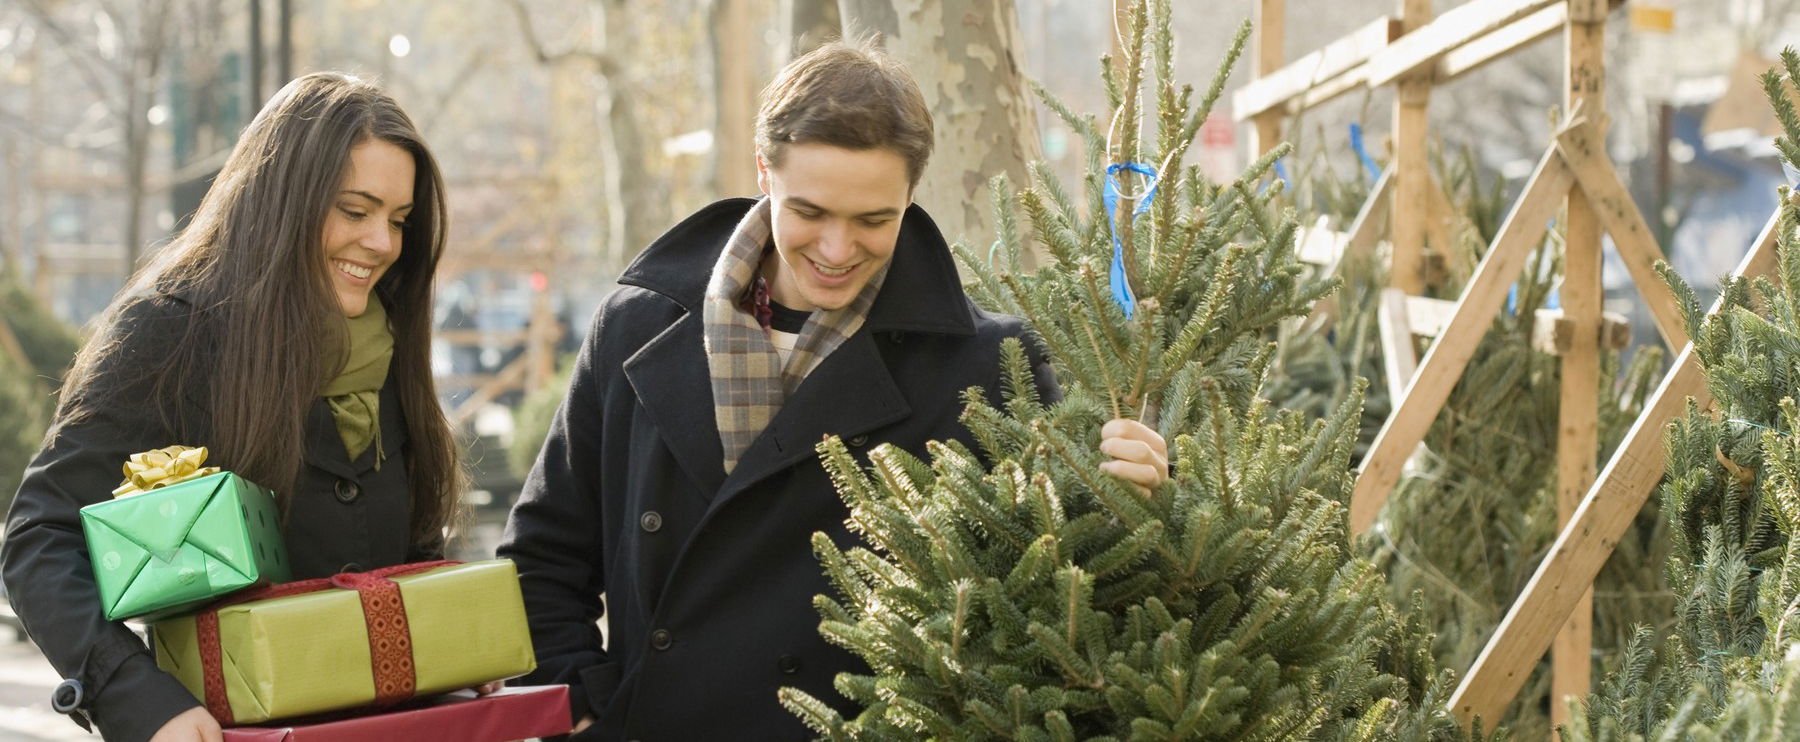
(287, 329)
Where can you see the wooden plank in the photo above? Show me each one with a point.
(1423, 46)
(1356, 79)
(1578, 414)
(1551, 332)
(1444, 363)
(1500, 43)
(1366, 229)
(1589, 538)
(1412, 166)
(1412, 187)
(510, 378)
(1399, 359)
(1583, 147)
(1319, 244)
(1274, 90)
(1271, 32)
(1554, 334)
(469, 336)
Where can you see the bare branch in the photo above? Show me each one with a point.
(544, 56)
(77, 52)
(476, 60)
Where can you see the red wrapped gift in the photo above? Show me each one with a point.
(511, 714)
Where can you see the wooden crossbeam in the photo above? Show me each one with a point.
(1444, 363)
(1583, 147)
(1296, 78)
(509, 378)
(1551, 333)
(1456, 27)
(1499, 43)
(1588, 540)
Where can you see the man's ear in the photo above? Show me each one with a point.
(762, 174)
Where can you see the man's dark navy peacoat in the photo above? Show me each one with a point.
(709, 579)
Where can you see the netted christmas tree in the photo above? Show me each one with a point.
(1731, 498)
(1036, 598)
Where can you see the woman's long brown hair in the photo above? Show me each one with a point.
(265, 321)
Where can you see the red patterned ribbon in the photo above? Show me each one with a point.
(384, 613)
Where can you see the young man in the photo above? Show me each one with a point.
(679, 477)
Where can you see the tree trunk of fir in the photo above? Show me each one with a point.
(963, 53)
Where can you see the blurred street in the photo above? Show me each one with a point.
(26, 680)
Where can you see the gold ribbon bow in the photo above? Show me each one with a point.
(162, 467)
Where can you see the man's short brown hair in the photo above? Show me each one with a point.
(854, 97)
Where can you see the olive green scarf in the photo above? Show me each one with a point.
(355, 395)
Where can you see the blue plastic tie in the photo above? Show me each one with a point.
(1281, 172)
(1362, 152)
(1512, 300)
(1121, 288)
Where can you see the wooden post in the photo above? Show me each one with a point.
(1412, 168)
(1589, 538)
(1571, 656)
(1271, 32)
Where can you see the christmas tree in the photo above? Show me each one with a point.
(1035, 598)
(1731, 499)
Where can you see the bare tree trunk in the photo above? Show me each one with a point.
(732, 164)
(806, 24)
(963, 53)
(634, 207)
(637, 212)
(140, 82)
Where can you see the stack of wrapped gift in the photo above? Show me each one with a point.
(194, 551)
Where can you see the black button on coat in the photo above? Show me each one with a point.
(712, 612)
(45, 562)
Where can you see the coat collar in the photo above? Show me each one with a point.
(923, 292)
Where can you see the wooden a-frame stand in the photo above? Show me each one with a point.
(1415, 51)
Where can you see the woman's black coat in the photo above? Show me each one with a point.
(709, 579)
(343, 515)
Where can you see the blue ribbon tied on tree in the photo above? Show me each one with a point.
(1121, 288)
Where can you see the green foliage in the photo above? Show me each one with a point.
(1731, 499)
(1037, 598)
(26, 403)
(531, 422)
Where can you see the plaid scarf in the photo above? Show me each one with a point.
(749, 384)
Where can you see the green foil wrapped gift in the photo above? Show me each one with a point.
(355, 639)
(178, 535)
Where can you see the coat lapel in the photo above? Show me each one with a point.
(849, 394)
(669, 375)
